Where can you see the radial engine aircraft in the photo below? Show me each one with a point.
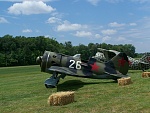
(146, 58)
(141, 64)
(60, 65)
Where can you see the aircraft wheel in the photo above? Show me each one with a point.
(49, 86)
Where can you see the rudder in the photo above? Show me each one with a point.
(121, 63)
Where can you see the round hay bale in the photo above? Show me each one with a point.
(124, 81)
(61, 98)
(146, 74)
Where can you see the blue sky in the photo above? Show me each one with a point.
(79, 21)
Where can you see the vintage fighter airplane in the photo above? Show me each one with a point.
(61, 65)
(141, 64)
(146, 58)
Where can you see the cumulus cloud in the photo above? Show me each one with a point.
(123, 40)
(115, 24)
(114, 1)
(141, 31)
(27, 31)
(132, 24)
(83, 34)
(30, 7)
(67, 26)
(94, 2)
(53, 20)
(120, 39)
(108, 32)
(97, 36)
(3, 20)
(27, 0)
(141, 1)
(106, 38)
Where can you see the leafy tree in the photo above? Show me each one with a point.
(21, 50)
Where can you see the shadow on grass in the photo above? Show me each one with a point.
(73, 85)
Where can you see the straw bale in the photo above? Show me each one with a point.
(146, 74)
(61, 98)
(124, 81)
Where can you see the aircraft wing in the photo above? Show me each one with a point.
(143, 63)
(118, 75)
(62, 70)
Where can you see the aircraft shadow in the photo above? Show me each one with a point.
(73, 85)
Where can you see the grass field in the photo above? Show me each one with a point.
(22, 90)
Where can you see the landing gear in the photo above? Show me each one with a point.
(53, 80)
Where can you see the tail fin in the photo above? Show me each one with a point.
(121, 63)
(146, 58)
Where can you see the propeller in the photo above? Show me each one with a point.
(39, 60)
(46, 60)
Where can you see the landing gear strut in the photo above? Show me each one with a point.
(52, 81)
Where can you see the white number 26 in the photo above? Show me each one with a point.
(77, 64)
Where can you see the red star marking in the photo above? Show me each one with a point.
(94, 67)
(121, 62)
(130, 62)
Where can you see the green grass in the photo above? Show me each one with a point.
(22, 90)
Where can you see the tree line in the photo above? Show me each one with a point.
(21, 50)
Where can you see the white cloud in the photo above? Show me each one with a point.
(27, 31)
(115, 24)
(47, 36)
(123, 40)
(30, 7)
(108, 32)
(27, 0)
(145, 7)
(53, 20)
(67, 26)
(132, 24)
(57, 14)
(83, 34)
(120, 39)
(106, 38)
(97, 36)
(94, 2)
(141, 31)
(141, 1)
(114, 1)
(3, 20)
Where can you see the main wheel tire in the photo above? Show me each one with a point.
(49, 86)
